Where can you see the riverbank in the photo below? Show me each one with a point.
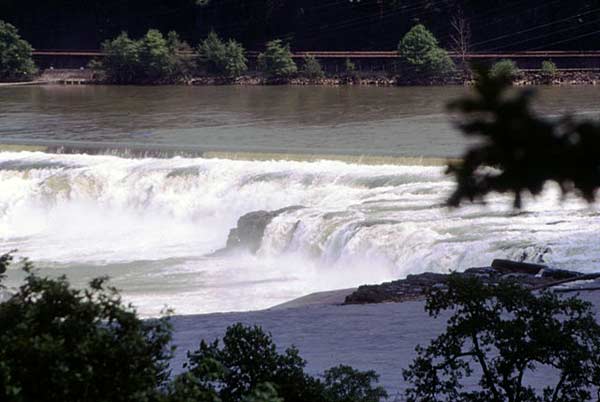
(525, 78)
(380, 337)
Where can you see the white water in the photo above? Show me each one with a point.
(151, 224)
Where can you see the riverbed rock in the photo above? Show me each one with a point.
(416, 287)
(250, 229)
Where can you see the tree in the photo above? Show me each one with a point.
(505, 69)
(264, 392)
(312, 68)
(151, 59)
(247, 359)
(507, 332)
(223, 58)
(121, 61)
(155, 57)
(181, 53)
(276, 61)
(461, 36)
(549, 71)
(345, 384)
(62, 344)
(524, 149)
(350, 70)
(16, 61)
(421, 53)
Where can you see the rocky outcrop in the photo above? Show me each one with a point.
(250, 229)
(415, 287)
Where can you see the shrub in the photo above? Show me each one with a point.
(312, 68)
(350, 70)
(508, 332)
(549, 69)
(62, 344)
(223, 58)
(505, 69)
(157, 60)
(121, 62)
(345, 384)
(151, 59)
(182, 54)
(248, 367)
(264, 392)
(239, 372)
(16, 62)
(422, 55)
(276, 61)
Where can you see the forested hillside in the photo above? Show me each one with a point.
(313, 24)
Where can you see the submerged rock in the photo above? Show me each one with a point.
(250, 229)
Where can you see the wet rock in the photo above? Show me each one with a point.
(509, 267)
(251, 227)
(416, 287)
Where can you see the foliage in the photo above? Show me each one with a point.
(276, 61)
(549, 69)
(121, 59)
(151, 59)
(525, 150)
(350, 70)
(505, 69)
(312, 68)
(421, 53)
(264, 392)
(506, 332)
(345, 384)
(62, 344)
(223, 58)
(155, 56)
(247, 359)
(183, 63)
(16, 62)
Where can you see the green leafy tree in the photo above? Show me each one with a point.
(16, 61)
(549, 71)
(422, 54)
(506, 332)
(264, 392)
(345, 384)
(505, 69)
(156, 58)
(350, 70)
(248, 358)
(526, 150)
(549, 68)
(121, 62)
(152, 59)
(312, 68)
(226, 58)
(276, 61)
(62, 344)
(181, 53)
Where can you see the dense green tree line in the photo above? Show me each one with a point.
(310, 24)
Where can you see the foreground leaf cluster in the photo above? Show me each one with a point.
(63, 344)
(497, 337)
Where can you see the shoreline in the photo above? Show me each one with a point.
(69, 77)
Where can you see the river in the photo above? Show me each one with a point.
(152, 223)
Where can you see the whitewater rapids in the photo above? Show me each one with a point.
(152, 224)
